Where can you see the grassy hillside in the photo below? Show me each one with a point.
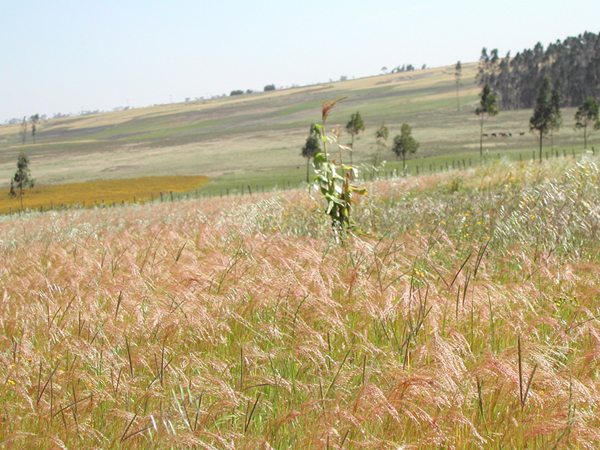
(467, 319)
(257, 137)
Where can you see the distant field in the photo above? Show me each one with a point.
(256, 138)
(100, 193)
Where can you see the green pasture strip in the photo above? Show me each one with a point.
(292, 178)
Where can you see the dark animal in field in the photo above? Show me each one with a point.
(493, 134)
(485, 135)
(522, 133)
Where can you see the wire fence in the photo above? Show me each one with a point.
(367, 174)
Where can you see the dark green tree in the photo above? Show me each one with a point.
(22, 179)
(487, 107)
(35, 119)
(586, 116)
(404, 144)
(353, 127)
(269, 87)
(556, 114)
(311, 148)
(457, 76)
(381, 137)
(543, 114)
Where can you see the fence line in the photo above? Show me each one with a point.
(246, 189)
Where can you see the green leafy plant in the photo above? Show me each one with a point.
(333, 178)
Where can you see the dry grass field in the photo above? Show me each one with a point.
(466, 319)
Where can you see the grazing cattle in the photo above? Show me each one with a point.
(493, 134)
(485, 135)
(522, 133)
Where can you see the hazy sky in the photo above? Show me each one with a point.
(65, 55)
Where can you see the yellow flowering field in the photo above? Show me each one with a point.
(101, 191)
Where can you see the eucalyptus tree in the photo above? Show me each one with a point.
(457, 76)
(310, 148)
(353, 127)
(543, 115)
(487, 107)
(587, 116)
(555, 102)
(405, 144)
(381, 137)
(22, 179)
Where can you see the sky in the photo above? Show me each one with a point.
(67, 56)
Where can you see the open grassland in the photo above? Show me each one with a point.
(467, 319)
(99, 193)
(257, 138)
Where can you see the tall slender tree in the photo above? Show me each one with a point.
(353, 127)
(487, 107)
(556, 114)
(23, 131)
(457, 76)
(586, 116)
(22, 179)
(35, 119)
(543, 115)
(310, 148)
(404, 144)
(381, 137)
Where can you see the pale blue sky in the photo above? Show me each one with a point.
(62, 55)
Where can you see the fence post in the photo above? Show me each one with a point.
(161, 197)
(249, 190)
(134, 199)
(152, 196)
(171, 196)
